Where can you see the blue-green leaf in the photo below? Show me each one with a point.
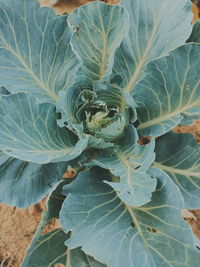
(179, 156)
(120, 235)
(156, 28)
(130, 163)
(35, 52)
(49, 249)
(28, 131)
(195, 36)
(3, 92)
(98, 31)
(23, 184)
(170, 89)
(103, 112)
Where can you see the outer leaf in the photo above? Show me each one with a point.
(28, 131)
(130, 162)
(179, 156)
(48, 249)
(171, 88)
(23, 184)
(156, 28)
(35, 52)
(149, 236)
(195, 36)
(98, 31)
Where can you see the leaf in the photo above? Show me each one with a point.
(151, 235)
(179, 156)
(3, 92)
(195, 36)
(98, 31)
(35, 52)
(170, 89)
(77, 106)
(48, 249)
(53, 2)
(156, 28)
(130, 162)
(69, 102)
(28, 131)
(23, 184)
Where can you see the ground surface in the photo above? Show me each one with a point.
(18, 226)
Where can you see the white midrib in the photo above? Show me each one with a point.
(68, 262)
(137, 225)
(142, 61)
(32, 74)
(104, 59)
(42, 152)
(167, 116)
(124, 159)
(177, 171)
(140, 232)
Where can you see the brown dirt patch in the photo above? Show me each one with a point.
(193, 218)
(193, 129)
(17, 229)
(64, 6)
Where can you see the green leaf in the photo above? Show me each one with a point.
(70, 101)
(35, 52)
(48, 249)
(156, 28)
(179, 156)
(98, 31)
(23, 184)
(103, 112)
(110, 94)
(120, 235)
(195, 36)
(170, 90)
(3, 92)
(130, 162)
(28, 131)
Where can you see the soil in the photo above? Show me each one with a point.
(18, 226)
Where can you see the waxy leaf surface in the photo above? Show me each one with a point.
(179, 156)
(35, 52)
(170, 89)
(156, 28)
(23, 184)
(48, 249)
(130, 163)
(28, 131)
(99, 29)
(120, 235)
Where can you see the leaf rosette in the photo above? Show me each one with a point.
(82, 92)
(103, 112)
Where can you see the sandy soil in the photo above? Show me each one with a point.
(18, 226)
(17, 229)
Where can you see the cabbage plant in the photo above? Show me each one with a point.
(97, 93)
